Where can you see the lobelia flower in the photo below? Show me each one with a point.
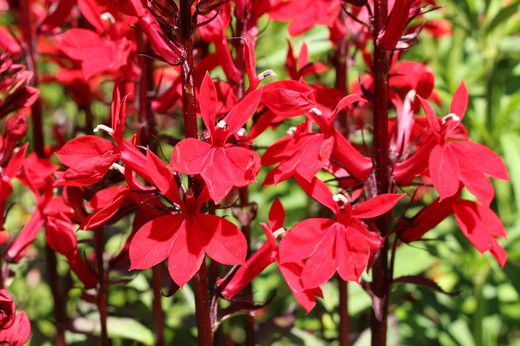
(267, 254)
(90, 157)
(344, 245)
(451, 162)
(222, 165)
(15, 329)
(184, 237)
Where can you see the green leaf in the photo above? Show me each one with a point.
(118, 328)
(511, 148)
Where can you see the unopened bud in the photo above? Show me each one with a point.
(16, 127)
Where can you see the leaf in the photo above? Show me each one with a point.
(423, 281)
(118, 327)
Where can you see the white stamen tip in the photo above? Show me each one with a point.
(340, 198)
(279, 232)
(118, 167)
(108, 17)
(222, 125)
(411, 95)
(242, 132)
(104, 128)
(266, 73)
(291, 131)
(316, 111)
(451, 116)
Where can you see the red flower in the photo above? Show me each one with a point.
(267, 254)
(185, 237)
(344, 245)
(15, 329)
(220, 164)
(461, 160)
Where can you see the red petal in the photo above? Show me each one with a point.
(444, 171)
(154, 241)
(321, 266)
(221, 239)
(186, 256)
(304, 239)
(238, 116)
(459, 103)
(292, 274)
(190, 156)
(480, 157)
(318, 190)
(207, 102)
(480, 225)
(162, 178)
(60, 235)
(352, 255)
(276, 215)
(377, 205)
(84, 148)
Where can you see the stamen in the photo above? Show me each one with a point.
(291, 131)
(316, 111)
(118, 167)
(279, 232)
(104, 128)
(340, 198)
(222, 125)
(108, 17)
(242, 132)
(266, 73)
(451, 116)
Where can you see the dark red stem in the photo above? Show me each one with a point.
(344, 317)
(36, 108)
(102, 294)
(200, 281)
(60, 314)
(158, 313)
(145, 86)
(381, 277)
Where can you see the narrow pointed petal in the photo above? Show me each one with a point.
(459, 103)
(444, 171)
(242, 111)
(162, 177)
(352, 255)
(186, 256)
(304, 239)
(377, 206)
(153, 242)
(221, 239)
(190, 156)
(322, 265)
(207, 102)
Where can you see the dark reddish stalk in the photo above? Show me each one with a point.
(381, 277)
(57, 295)
(38, 143)
(36, 108)
(145, 85)
(102, 294)
(158, 313)
(200, 281)
(344, 317)
(341, 83)
(244, 191)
